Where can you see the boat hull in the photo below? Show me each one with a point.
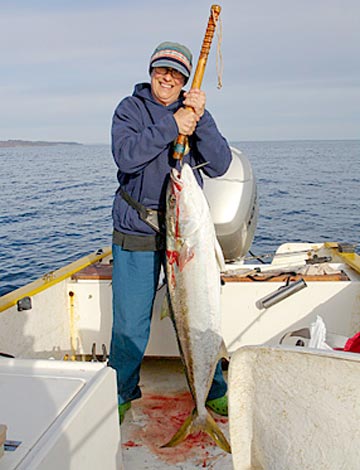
(68, 317)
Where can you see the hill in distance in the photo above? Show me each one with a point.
(32, 143)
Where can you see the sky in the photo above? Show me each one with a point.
(291, 69)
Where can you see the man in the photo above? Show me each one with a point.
(144, 128)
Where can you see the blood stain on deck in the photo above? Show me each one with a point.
(160, 417)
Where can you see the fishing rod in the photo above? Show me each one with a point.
(179, 148)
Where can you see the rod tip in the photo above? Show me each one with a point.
(216, 8)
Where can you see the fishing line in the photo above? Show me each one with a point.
(200, 165)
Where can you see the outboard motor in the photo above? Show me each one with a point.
(234, 206)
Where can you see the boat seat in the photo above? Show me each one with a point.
(97, 271)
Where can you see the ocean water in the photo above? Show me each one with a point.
(56, 201)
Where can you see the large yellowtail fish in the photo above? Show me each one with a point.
(193, 265)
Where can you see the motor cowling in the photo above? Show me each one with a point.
(233, 205)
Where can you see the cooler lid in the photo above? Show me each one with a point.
(31, 398)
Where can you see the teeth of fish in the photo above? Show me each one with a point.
(193, 272)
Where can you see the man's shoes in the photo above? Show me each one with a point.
(218, 405)
(123, 409)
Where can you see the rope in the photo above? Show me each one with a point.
(219, 58)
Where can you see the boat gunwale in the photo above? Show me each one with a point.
(51, 278)
(54, 277)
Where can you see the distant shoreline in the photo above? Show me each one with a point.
(32, 143)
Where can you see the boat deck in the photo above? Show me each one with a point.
(154, 418)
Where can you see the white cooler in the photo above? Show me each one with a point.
(59, 415)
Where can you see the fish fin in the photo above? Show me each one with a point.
(165, 307)
(208, 425)
(185, 430)
(186, 254)
(223, 353)
(213, 430)
(219, 256)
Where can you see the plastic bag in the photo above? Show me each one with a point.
(318, 335)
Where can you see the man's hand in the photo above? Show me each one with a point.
(186, 120)
(196, 99)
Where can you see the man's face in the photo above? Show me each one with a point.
(166, 84)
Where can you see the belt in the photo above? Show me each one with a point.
(155, 219)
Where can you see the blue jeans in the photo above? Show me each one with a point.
(134, 281)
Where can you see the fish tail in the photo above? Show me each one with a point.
(186, 429)
(213, 430)
(207, 425)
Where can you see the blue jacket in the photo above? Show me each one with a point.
(143, 133)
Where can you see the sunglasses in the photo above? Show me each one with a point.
(165, 70)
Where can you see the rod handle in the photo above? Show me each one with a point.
(215, 10)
